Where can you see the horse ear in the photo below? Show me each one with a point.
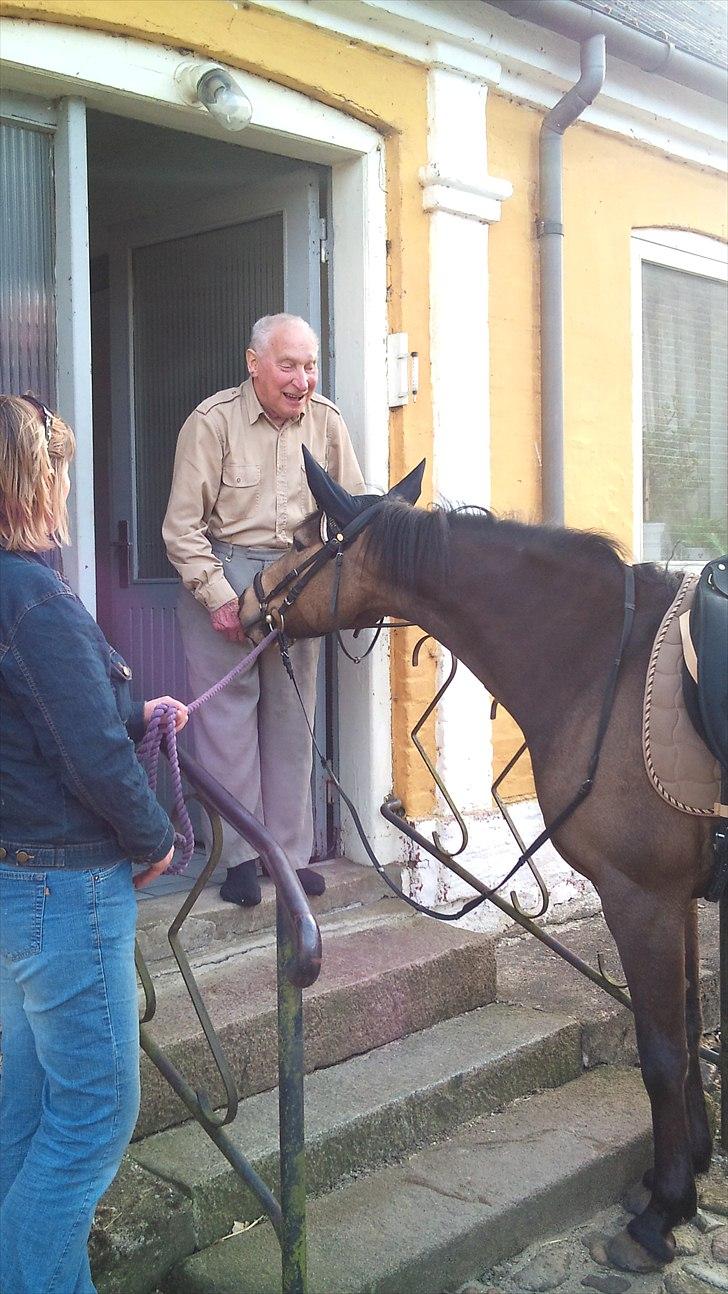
(331, 498)
(410, 487)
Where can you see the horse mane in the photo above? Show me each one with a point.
(405, 540)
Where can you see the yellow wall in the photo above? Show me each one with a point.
(611, 186)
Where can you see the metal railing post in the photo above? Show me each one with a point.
(723, 936)
(290, 1115)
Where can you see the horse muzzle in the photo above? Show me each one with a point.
(253, 617)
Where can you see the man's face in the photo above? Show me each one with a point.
(285, 371)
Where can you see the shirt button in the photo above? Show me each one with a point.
(23, 857)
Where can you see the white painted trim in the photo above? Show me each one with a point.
(460, 202)
(459, 342)
(461, 198)
(132, 78)
(73, 330)
(135, 79)
(532, 64)
(683, 250)
(22, 110)
(359, 281)
(691, 253)
(419, 32)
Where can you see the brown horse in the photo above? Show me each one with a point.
(536, 614)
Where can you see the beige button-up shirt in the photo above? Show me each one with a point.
(240, 480)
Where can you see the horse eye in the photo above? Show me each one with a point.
(298, 544)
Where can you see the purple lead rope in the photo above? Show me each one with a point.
(161, 731)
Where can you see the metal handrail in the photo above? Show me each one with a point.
(298, 962)
(303, 967)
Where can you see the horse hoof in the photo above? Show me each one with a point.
(629, 1256)
(637, 1198)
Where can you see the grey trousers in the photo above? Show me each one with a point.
(252, 736)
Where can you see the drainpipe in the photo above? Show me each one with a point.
(550, 232)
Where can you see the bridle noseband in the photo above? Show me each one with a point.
(298, 577)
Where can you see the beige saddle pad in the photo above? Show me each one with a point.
(679, 764)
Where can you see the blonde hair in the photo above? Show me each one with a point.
(33, 512)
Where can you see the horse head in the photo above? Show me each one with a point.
(310, 589)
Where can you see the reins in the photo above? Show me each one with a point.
(333, 549)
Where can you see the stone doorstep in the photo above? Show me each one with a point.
(377, 984)
(214, 923)
(141, 1228)
(177, 1194)
(373, 1109)
(544, 1163)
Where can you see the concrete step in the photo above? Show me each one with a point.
(214, 924)
(448, 1212)
(385, 974)
(361, 1115)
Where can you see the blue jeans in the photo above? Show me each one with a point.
(69, 1089)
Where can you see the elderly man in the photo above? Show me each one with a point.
(238, 493)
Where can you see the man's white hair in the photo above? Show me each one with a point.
(264, 328)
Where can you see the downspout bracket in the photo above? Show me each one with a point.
(544, 227)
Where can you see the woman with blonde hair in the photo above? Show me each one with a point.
(75, 812)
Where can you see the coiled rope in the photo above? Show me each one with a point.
(160, 732)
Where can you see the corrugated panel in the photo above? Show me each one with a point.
(27, 296)
(195, 302)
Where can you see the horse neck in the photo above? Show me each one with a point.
(532, 624)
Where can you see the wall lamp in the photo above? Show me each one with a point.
(214, 88)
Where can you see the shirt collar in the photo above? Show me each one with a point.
(255, 410)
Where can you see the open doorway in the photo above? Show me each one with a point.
(191, 240)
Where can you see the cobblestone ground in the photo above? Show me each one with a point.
(576, 1262)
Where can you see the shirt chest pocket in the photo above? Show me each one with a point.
(242, 476)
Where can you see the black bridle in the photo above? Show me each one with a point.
(298, 577)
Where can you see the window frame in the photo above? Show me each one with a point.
(692, 253)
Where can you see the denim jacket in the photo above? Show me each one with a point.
(72, 792)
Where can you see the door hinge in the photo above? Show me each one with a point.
(324, 239)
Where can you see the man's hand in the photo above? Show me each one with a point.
(181, 713)
(226, 621)
(150, 873)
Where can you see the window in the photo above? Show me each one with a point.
(27, 254)
(682, 415)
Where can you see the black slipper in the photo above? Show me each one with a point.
(241, 885)
(312, 882)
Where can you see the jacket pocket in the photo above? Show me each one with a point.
(120, 676)
(23, 908)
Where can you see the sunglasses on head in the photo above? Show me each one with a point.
(45, 414)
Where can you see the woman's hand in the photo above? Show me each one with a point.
(151, 873)
(181, 714)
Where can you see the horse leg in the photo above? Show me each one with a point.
(701, 1142)
(652, 949)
